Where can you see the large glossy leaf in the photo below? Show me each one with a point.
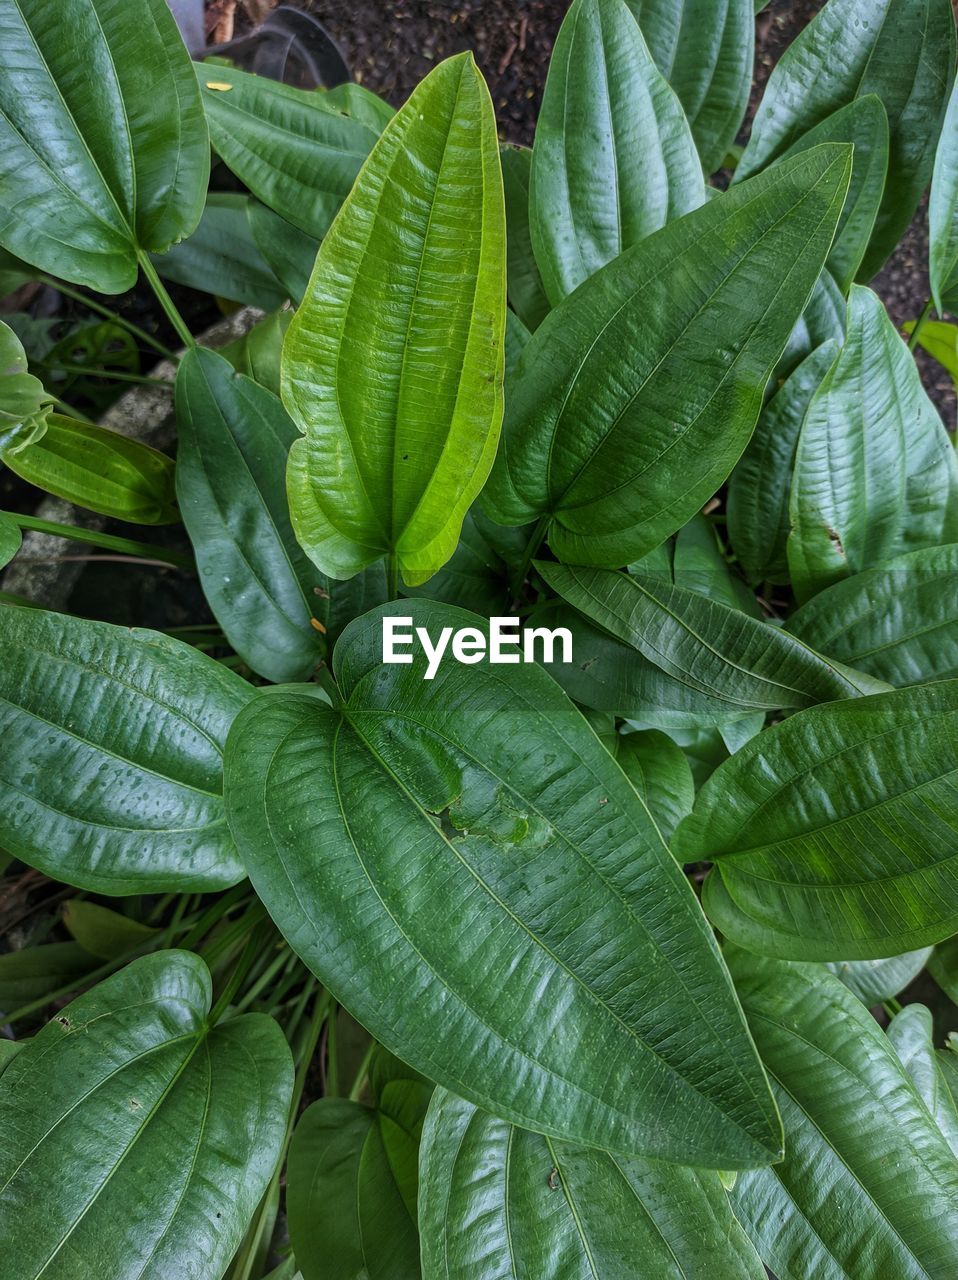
(111, 773)
(526, 292)
(497, 1202)
(289, 252)
(912, 1037)
(614, 158)
(876, 980)
(466, 868)
(393, 365)
(222, 257)
(294, 150)
(875, 473)
(901, 50)
(104, 151)
(262, 587)
(693, 320)
(95, 468)
(660, 774)
(704, 48)
(899, 622)
(759, 487)
(943, 212)
(136, 1139)
(835, 834)
(868, 1186)
(707, 645)
(352, 1182)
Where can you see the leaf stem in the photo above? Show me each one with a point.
(164, 299)
(101, 310)
(115, 375)
(362, 1073)
(392, 576)
(125, 546)
(535, 542)
(920, 324)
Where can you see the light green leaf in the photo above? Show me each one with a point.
(393, 365)
(111, 774)
(911, 1034)
(293, 148)
(759, 487)
(868, 1186)
(476, 577)
(660, 773)
(436, 851)
(705, 49)
(498, 1202)
(24, 404)
(715, 649)
(136, 1139)
(898, 622)
(105, 152)
(10, 539)
(693, 320)
(875, 473)
(943, 212)
(940, 340)
(103, 932)
(835, 834)
(873, 981)
(524, 284)
(901, 50)
(257, 353)
(614, 158)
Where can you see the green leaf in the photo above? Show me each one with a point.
(823, 320)
(875, 472)
(476, 577)
(257, 353)
(517, 336)
(759, 487)
(705, 49)
(393, 365)
(940, 340)
(911, 1035)
(97, 468)
(34, 972)
(525, 288)
(873, 981)
(498, 1202)
(263, 589)
(835, 834)
(103, 932)
(715, 649)
(10, 539)
(24, 404)
(289, 252)
(943, 967)
(222, 257)
(293, 148)
(943, 212)
(111, 776)
(868, 1186)
(660, 773)
(864, 123)
(903, 51)
(898, 622)
(104, 147)
(137, 1139)
(436, 851)
(361, 104)
(351, 1186)
(8, 1051)
(614, 158)
(693, 321)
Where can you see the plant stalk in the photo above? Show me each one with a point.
(920, 324)
(125, 546)
(535, 542)
(165, 301)
(101, 310)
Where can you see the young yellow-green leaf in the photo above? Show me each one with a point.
(912, 1037)
(466, 868)
(705, 49)
(293, 148)
(759, 487)
(712, 648)
(875, 472)
(393, 364)
(524, 283)
(943, 212)
(940, 339)
(868, 1186)
(693, 321)
(136, 1139)
(898, 622)
(901, 50)
(497, 1202)
(104, 151)
(614, 158)
(111, 775)
(835, 834)
(97, 468)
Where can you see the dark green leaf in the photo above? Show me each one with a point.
(910, 1032)
(614, 158)
(835, 834)
(876, 980)
(103, 932)
(526, 292)
(9, 540)
(257, 353)
(475, 578)
(35, 972)
(498, 1202)
(943, 212)
(660, 773)
(693, 320)
(466, 868)
(104, 151)
(111, 775)
(289, 252)
(136, 1139)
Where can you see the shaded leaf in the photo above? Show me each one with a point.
(873, 981)
(289, 252)
(34, 972)
(910, 1032)
(943, 212)
(103, 932)
(524, 284)
(660, 773)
